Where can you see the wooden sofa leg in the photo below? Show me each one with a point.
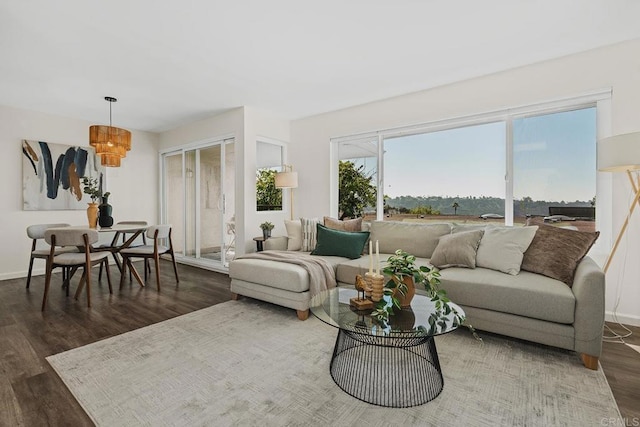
(303, 314)
(235, 296)
(590, 362)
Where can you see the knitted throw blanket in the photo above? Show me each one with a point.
(321, 274)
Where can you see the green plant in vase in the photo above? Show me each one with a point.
(266, 229)
(403, 275)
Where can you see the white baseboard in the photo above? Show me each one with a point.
(625, 319)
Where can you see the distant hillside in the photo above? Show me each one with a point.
(472, 205)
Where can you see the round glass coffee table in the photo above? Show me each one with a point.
(392, 363)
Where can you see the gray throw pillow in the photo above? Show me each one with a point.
(457, 250)
(556, 252)
(502, 248)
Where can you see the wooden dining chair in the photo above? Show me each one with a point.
(84, 258)
(36, 233)
(147, 252)
(110, 247)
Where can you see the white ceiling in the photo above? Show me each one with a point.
(173, 62)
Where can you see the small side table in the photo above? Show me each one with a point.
(259, 241)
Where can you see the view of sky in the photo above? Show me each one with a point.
(554, 160)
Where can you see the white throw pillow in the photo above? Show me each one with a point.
(309, 233)
(503, 248)
(294, 234)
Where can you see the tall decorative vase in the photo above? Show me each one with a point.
(92, 214)
(105, 219)
(266, 233)
(405, 300)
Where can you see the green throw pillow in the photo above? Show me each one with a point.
(348, 244)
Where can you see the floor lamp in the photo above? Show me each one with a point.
(621, 153)
(287, 179)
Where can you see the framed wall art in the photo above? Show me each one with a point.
(52, 175)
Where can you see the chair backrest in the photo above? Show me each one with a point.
(132, 222)
(163, 231)
(37, 231)
(71, 236)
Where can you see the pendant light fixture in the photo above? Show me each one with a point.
(111, 143)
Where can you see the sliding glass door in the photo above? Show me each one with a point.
(198, 200)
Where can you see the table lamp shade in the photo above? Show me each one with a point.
(619, 153)
(287, 180)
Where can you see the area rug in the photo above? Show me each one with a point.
(252, 363)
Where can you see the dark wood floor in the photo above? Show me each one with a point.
(31, 394)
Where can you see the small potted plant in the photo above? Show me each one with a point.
(266, 229)
(403, 275)
(91, 186)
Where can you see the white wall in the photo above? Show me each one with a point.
(133, 186)
(615, 67)
(261, 124)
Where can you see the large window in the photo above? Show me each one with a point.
(504, 169)
(269, 160)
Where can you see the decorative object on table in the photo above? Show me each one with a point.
(266, 229)
(93, 188)
(111, 143)
(402, 265)
(51, 175)
(374, 279)
(361, 302)
(621, 153)
(104, 218)
(287, 179)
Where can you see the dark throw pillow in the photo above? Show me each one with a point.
(348, 244)
(556, 252)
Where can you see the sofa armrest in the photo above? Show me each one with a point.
(589, 289)
(276, 243)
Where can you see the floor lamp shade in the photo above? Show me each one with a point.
(287, 180)
(619, 153)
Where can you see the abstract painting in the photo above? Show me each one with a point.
(52, 175)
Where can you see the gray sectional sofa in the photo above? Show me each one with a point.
(525, 305)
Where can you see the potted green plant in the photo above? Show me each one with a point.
(91, 187)
(404, 275)
(266, 229)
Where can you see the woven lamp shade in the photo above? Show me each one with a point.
(111, 143)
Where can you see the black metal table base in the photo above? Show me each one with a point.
(398, 371)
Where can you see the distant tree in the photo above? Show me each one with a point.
(592, 202)
(455, 207)
(268, 197)
(424, 210)
(356, 190)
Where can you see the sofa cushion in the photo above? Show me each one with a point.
(555, 252)
(461, 228)
(457, 249)
(343, 225)
(502, 248)
(415, 238)
(294, 234)
(527, 294)
(279, 275)
(348, 244)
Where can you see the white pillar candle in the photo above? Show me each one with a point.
(370, 257)
(377, 258)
